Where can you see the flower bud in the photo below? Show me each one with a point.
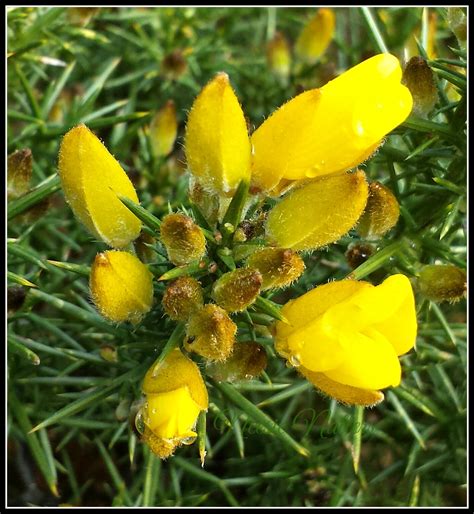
(217, 143)
(236, 290)
(183, 239)
(207, 202)
(319, 212)
(163, 130)
(357, 254)
(279, 266)
(174, 65)
(91, 179)
(211, 333)
(441, 283)
(81, 15)
(279, 56)
(316, 36)
(381, 213)
(182, 297)
(143, 247)
(457, 22)
(175, 395)
(247, 361)
(109, 353)
(19, 170)
(121, 286)
(418, 78)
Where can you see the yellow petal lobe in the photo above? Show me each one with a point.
(91, 179)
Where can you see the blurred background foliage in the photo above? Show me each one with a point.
(113, 68)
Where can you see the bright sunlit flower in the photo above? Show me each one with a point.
(346, 336)
(175, 395)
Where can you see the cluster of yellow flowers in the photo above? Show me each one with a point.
(345, 336)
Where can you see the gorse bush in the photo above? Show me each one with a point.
(219, 299)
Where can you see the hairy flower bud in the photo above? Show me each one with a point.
(247, 361)
(19, 171)
(319, 212)
(418, 78)
(211, 333)
(237, 289)
(381, 213)
(163, 130)
(121, 286)
(91, 179)
(442, 283)
(182, 297)
(357, 254)
(457, 22)
(279, 266)
(183, 239)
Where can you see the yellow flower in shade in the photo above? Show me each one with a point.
(91, 179)
(346, 336)
(121, 286)
(319, 212)
(217, 144)
(316, 35)
(163, 130)
(175, 395)
(331, 129)
(279, 55)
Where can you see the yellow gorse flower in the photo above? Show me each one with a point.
(163, 130)
(175, 395)
(91, 180)
(316, 35)
(346, 336)
(121, 286)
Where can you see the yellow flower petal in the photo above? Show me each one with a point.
(121, 286)
(319, 212)
(175, 372)
(370, 362)
(173, 414)
(316, 35)
(342, 393)
(217, 144)
(334, 128)
(91, 179)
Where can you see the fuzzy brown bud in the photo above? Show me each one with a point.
(441, 283)
(182, 297)
(237, 289)
(19, 170)
(183, 239)
(211, 333)
(418, 78)
(279, 266)
(381, 213)
(357, 254)
(247, 361)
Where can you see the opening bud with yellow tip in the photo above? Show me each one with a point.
(319, 212)
(182, 297)
(316, 36)
(92, 179)
(418, 78)
(331, 129)
(352, 333)
(441, 283)
(175, 395)
(163, 130)
(121, 286)
(217, 145)
(183, 239)
(381, 213)
(210, 333)
(279, 56)
(247, 361)
(236, 290)
(279, 266)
